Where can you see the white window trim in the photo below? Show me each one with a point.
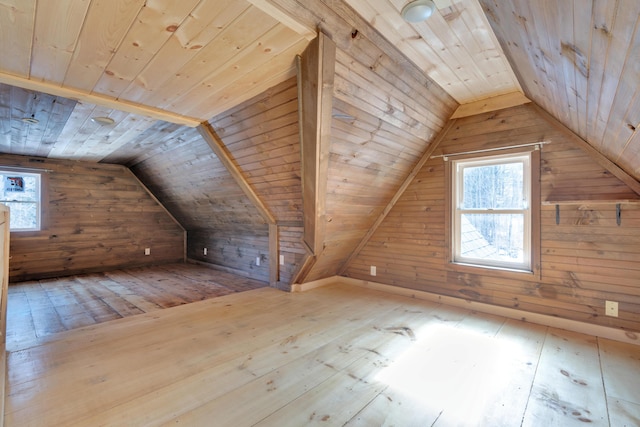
(457, 167)
(37, 202)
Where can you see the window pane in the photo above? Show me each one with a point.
(493, 187)
(23, 215)
(494, 237)
(25, 188)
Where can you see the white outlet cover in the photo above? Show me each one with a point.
(281, 259)
(257, 260)
(611, 308)
(373, 270)
(147, 251)
(205, 251)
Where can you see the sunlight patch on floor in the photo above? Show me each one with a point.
(449, 367)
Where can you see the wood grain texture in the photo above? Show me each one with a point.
(261, 136)
(97, 217)
(317, 73)
(377, 136)
(336, 355)
(40, 309)
(582, 258)
(4, 294)
(453, 47)
(576, 60)
(177, 61)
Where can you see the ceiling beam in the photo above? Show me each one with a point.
(285, 18)
(315, 99)
(494, 103)
(218, 147)
(97, 99)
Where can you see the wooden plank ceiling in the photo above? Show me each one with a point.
(156, 66)
(579, 61)
(186, 62)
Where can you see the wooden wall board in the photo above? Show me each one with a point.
(234, 251)
(261, 136)
(585, 260)
(99, 236)
(376, 138)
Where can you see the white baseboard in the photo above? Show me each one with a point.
(511, 313)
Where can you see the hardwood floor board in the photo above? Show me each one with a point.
(108, 296)
(205, 341)
(76, 320)
(567, 389)
(94, 306)
(316, 348)
(623, 413)
(335, 355)
(118, 305)
(508, 395)
(364, 345)
(129, 295)
(151, 293)
(617, 363)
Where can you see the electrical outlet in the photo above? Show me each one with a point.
(373, 270)
(257, 260)
(147, 251)
(205, 251)
(611, 308)
(281, 259)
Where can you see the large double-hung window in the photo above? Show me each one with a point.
(492, 211)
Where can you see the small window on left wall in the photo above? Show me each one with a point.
(21, 191)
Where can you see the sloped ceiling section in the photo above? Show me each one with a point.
(183, 61)
(455, 47)
(192, 183)
(17, 106)
(579, 61)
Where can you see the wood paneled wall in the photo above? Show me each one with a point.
(585, 259)
(262, 137)
(386, 111)
(235, 251)
(192, 183)
(97, 217)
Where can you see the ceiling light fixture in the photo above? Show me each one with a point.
(104, 121)
(418, 10)
(30, 120)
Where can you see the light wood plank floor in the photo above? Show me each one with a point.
(37, 309)
(333, 356)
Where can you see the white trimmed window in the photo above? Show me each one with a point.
(21, 192)
(491, 211)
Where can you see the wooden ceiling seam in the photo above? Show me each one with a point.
(219, 149)
(405, 184)
(596, 155)
(98, 99)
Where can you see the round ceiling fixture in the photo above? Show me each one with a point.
(31, 120)
(418, 10)
(104, 121)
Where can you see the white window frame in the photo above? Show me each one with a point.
(37, 202)
(457, 171)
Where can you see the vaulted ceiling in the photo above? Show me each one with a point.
(155, 66)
